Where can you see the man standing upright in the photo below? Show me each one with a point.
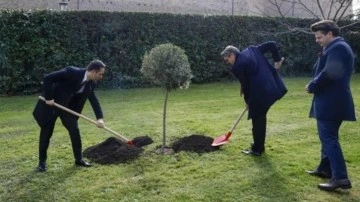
(69, 87)
(332, 103)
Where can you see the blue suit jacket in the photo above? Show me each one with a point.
(260, 81)
(62, 86)
(331, 83)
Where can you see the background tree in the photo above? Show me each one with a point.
(167, 65)
(335, 10)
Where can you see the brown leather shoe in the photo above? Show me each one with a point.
(317, 173)
(335, 184)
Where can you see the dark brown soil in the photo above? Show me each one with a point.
(112, 151)
(194, 143)
(115, 151)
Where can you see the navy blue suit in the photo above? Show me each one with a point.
(260, 84)
(63, 86)
(332, 103)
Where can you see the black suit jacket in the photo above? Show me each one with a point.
(62, 86)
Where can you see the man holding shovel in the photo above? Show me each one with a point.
(70, 87)
(260, 85)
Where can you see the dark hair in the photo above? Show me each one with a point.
(95, 65)
(326, 26)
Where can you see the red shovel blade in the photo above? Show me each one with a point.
(223, 139)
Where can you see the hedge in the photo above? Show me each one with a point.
(35, 43)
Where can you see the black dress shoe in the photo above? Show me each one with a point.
(42, 167)
(82, 163)
(262, 149)
(320, 174)
(251, 152)
(335, 184)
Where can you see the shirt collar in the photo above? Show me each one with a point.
(85, 78)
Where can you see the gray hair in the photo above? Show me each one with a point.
(228, 50)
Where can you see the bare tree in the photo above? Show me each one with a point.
(335, 10)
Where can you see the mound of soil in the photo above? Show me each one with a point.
(112, 151)
(194, 143)
(142, 141)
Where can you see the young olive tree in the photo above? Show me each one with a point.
(167, 65)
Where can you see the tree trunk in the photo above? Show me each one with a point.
(164, 121)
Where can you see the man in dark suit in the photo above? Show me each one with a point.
(70, 87)
(260, 85)
(332, 103)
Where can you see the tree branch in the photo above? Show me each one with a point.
(290, 30)
(309, 10)
(330, 8)
(349, 25)
(336, 19)
(340, 6)
(278, 7)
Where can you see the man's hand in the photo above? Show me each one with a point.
(50, 102)
(307, 88)
(278, 64)
(100, 123)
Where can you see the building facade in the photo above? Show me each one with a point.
(203, 7)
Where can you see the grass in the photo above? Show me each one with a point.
(226, 175)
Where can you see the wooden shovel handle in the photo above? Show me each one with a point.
(88, 119)
(238, 120)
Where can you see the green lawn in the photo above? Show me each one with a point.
(225, 175)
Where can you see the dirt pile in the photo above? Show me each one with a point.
(112, 151)
(194, 143)
(115, 151)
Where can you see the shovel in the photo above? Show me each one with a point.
(223, 139)
(139, 141)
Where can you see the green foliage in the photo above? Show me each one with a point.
(35, 43)
(167, 65)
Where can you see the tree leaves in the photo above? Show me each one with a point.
(167, 65)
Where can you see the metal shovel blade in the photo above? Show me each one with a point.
(221, 140)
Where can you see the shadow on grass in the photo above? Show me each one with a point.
(271, 181)
(35, 186)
